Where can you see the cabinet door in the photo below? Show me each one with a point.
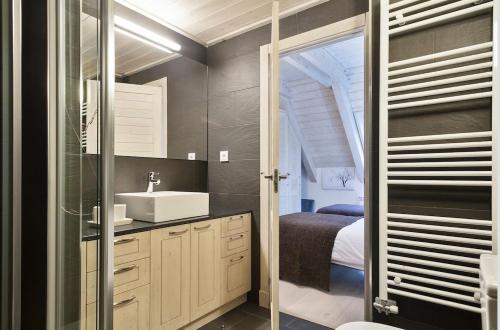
(236, 277)
(205, 267)
(170, 276)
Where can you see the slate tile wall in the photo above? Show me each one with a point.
(131, 175)
(233, 112)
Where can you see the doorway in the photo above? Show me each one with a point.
(323, 98)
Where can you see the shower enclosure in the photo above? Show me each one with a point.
(78, 182)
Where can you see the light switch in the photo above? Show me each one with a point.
(191, 156)
(224, 156)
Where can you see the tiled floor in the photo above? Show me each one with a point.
(250, 316)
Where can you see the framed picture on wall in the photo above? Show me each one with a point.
(337, 178)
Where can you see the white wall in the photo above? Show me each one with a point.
(322, 197)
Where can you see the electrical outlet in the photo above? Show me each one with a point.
(224, 156)
(191, 156)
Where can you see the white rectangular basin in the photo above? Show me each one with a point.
(164, 205)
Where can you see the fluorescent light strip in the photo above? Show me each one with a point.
(146, 41)
(145, 34)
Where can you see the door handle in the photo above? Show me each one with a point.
(284, 177)
(276, 178)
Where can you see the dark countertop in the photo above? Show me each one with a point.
(90, 231)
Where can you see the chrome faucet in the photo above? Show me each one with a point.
(153, 179)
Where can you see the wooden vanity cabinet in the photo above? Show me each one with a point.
(178, 277)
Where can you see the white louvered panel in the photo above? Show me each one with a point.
(138, 120)
(83, 120)
(428, 257)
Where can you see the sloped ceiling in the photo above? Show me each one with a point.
(322, 90)
(313, 108)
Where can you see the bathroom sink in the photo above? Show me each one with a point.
(161, 206)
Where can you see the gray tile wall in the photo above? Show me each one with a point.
(233, 112)
(131, 176)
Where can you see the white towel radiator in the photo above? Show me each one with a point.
(429, 257)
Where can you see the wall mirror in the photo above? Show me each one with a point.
(160, 96)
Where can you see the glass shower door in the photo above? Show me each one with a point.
(80, 198)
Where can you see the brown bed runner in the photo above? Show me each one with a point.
(306, 244)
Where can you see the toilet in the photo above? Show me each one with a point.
(362, 325)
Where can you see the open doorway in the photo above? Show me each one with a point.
(321, 225)
(318, 258)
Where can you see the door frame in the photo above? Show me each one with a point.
(356, 24)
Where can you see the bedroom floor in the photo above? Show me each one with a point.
(344, 303)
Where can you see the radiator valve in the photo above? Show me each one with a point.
(386, 306)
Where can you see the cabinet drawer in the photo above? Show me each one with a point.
(126, 248)
(128, 276)
(236, 277)
(235, 224)
(130, 310)
(234, 244)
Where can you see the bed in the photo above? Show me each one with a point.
(310, 242)
(349, 244)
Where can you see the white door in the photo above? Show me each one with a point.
(275, 155)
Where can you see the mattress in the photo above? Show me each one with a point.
(348, 249)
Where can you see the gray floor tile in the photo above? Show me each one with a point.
(285, 320)
(227, 320)
(256, 310)
(299, 324)
(252, 322)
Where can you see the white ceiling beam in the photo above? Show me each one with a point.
(301, 64)
(351, 130)
(307, 159)
(319, 57)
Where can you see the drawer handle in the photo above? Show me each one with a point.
(178, 232)
(124, 269)
(233, 218)
(237, 237)
(124, 240)
(234, 260)
(123, 302)
(204, 227)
